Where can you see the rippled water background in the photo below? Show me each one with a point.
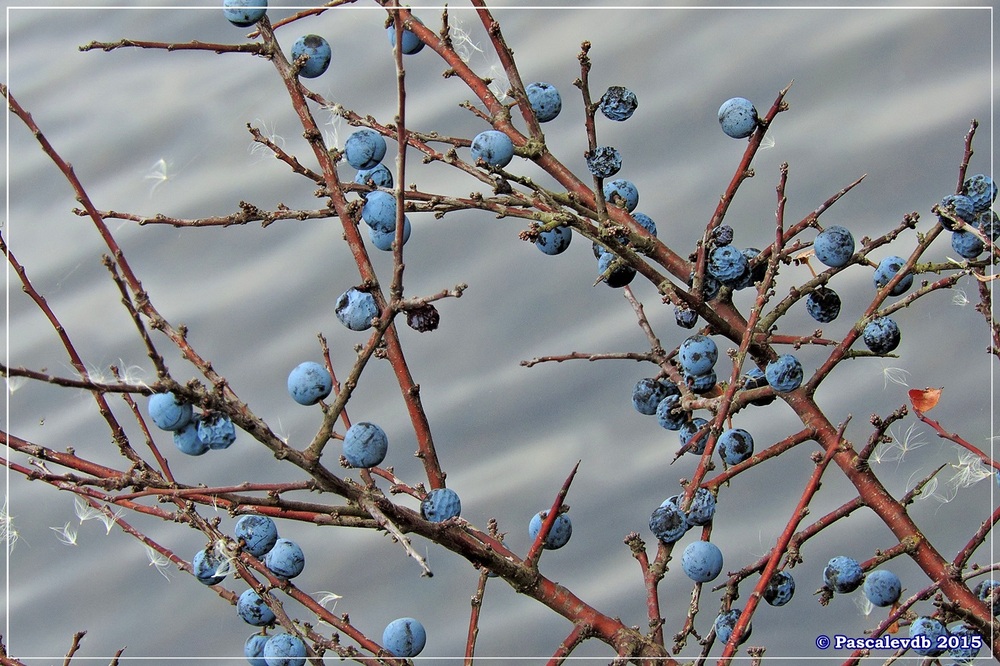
(887, 92)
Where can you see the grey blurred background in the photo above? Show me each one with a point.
(889, 92)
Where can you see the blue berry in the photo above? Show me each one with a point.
(738, 117)
(961, 205)
(168, 412)
(621, 190)
(646, 222)
(726, 622)
(784, 373)
(410, 43)
(930, 633)
(253, 649)
(604, 161)
(823, 304)
(989, 591)
(440, 505)
(722, 235)
(689, 430)
(669, 413)
(378, 176)
(187, 441)
(648, 393)
(735, 445)
(554, 241)
(779, 589)
(709, 286)
(964, 643)
(244, 13)
(697, 354)
(702, 508)
(492, 147)
(967, 244)
(727, 264)
(364, 149)
(205, 564)
(988, 223)
(285, 559)
(843, 574)
(754, 274)
(355, 309)
(383, 239)
(834, 246)
(284, 650)
(703, 383)
(251, 607)
(259, 533)
(981, 190)
(545, 100)
(685, 316)
(318, 54)
(755, 378)
(701, 561)
(404, 637)
(668, 523)
(882, 587)
(424, 318)
(379, 210)
(886, 271)
(618, 103)
(558, 536)
(216, 430)
(620, 275)
(881, 335)
(309, 382)
(365, 445)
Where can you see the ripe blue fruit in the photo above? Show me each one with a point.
(647, 394)
(205, 564)
(689, 430)
(618, 103)
(702, 508)
(722, 235)
(216, 430)
(697, 354)
(187, 441)
(932, 632)
(755, 378)
(383, 239)
(823, 304)
(843, 574)
(604, 161)
(355, 309)
(364, 149)
(620, 275)
(779, 589)
(685, 316)
(726, 621)
(784, 373)
(621, 190)
(961, 205)
(253, 649)
(168, 412)
(754, 274)
(988, 223)
(967, 244)
(285, 559)
(409, 43)
(882, 587)
(735, 445)
(378, 176)
(981, 190)
(668, 522)
(738, 117)
(244, 13)
(709, 286)
(365, 445)
(379, 210)
(284, 650)
(251, 607)
(545, 100)
(702, 383)
(318, 53)
(423, 318)
(989, 592)
(964, 643)
(440, 505)
(886, 271)
(259, 533)
(404, 637)
(834, 246)
(492, 147)
(727, 264)
(309, 382)
(881, 335)
(554, 241)
(701, 561)
(670, 414)
(646, 222)
(558, 536)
